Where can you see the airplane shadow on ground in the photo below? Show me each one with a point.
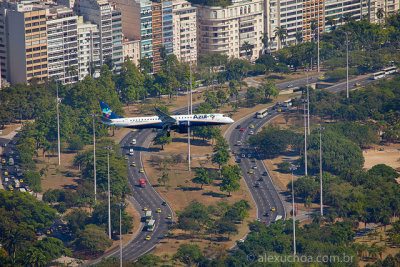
(193, 142)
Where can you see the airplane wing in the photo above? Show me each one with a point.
(166, 119)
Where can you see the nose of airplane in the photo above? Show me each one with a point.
(231, 121)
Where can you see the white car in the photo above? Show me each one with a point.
(133, 142)
(251, 133)
(131, 152)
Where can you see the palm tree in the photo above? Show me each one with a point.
(281, 33)
(331, 22)
(248, 48)
(265, 41)
(380, 14)
(299, 37)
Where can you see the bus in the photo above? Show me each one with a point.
(262, 113)
(148, 215)
(287, 103)
(378, 75)
(150, 225)
(390, 70)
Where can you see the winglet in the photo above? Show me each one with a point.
(107, 112)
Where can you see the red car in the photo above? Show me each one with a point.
(242, 129)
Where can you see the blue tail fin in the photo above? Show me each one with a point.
(107, 112)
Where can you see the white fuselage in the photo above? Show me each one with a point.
(181, 121)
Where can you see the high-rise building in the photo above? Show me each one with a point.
(25, 41)
(88, 48)
(184, 17)
(313, 19)
(157, 31)
(62, 44)
(108, 19)
(228, 30)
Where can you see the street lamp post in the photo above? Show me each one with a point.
(347, 63)
(305, 141)
(293, 168)
(120, 232)
(108, 148)
(308, 107)
(94, 157)
(320, 170)
(189, 111)
(58, 128)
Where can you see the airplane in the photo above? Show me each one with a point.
(162, 121)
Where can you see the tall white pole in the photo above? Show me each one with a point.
(347, 65)
(308, 107)
(190, 74)
(305, 141)
(320, 171)
(189, 112)
(94, 159)
(294, 218)
(109, 191)
(58, 128)
(120, 236)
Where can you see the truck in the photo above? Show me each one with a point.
(142, 182)
(148, 216)
(11, 161)
(150, 225)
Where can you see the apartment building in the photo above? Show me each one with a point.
(313, 19)
(225, 29)
(108, 19)
(131, 50)
(27, 45)
(3, 44)
(184, 17)
(88, 48)
(62, 44)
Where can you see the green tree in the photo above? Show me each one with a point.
(202, 177)
(189, 254)
(230, 178)
(246, 46)
(93, 239)
(162, 139)
(164, 178)
(281, 33)
(221, 154)
(33, 180)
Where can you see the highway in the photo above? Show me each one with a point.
(265, 195)
(259, 182)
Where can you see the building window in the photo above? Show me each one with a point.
(214, 14)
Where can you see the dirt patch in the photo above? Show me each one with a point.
(280, 77)
(388, 154)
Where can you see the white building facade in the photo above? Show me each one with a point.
(225, 29)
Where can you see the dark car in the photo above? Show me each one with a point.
(260, 179)
(257, 185)
(238, 127)
(164, 203)
(238, 160)
(265, 173)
